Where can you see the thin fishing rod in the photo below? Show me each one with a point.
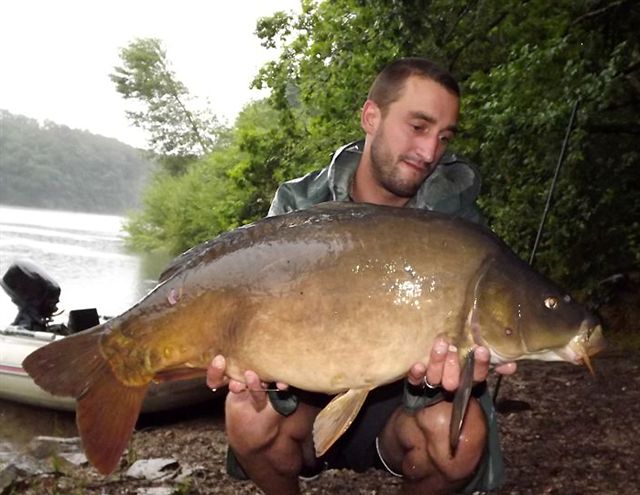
(554, 181)
(552, 188)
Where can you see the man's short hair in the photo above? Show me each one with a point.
(388, 86)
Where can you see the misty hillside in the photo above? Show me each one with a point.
(53, 166)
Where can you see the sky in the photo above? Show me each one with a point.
(56, 56)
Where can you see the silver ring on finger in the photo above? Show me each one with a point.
(427, 384)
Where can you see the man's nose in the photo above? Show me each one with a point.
(427, 148)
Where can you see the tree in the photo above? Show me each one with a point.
(212, 196)
(521, 65)
(178, 132)
(518, 111)
(51, 166)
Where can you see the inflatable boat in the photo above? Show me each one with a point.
(37, 295)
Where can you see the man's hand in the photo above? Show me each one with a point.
(255, 389)
(443, 367)
(215, 373)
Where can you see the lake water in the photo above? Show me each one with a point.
(84, 253)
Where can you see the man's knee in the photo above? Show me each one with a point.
(434, 422)
(264, 426)
(275, 440)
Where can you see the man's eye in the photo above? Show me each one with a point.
(445, 139)
(417, 128)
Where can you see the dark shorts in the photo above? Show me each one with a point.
(356, 449)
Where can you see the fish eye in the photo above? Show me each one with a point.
(551, 302)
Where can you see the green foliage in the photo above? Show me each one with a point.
(521, 66)
(52, 166)
(181, 211)
(517, 113)
(178, 132)
(212, 196)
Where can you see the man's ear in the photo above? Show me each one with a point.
(370, 117)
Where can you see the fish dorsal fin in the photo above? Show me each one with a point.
(336, 418)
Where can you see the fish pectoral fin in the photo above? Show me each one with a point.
(175, 374)
(461, 401)
(336, 418)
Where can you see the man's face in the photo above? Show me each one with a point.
(408, 141)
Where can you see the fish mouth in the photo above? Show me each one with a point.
(587, 343)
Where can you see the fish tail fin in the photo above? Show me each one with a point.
(336, 417)
(107, 409)
(106, 416)
(66, 367)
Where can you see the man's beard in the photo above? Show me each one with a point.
(385, 170)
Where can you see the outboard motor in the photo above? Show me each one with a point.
(34, 292)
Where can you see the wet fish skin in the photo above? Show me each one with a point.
(339, 299)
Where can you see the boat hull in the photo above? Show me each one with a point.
(16, 385)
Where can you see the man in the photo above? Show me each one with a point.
(409, 118)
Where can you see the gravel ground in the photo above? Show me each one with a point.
(563, 431)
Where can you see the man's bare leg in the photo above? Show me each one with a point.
(417, 446)
(273, 450)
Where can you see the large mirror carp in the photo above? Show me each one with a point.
(312, 299)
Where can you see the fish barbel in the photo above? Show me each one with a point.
(312, 299)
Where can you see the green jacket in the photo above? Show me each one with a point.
(452, 187)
